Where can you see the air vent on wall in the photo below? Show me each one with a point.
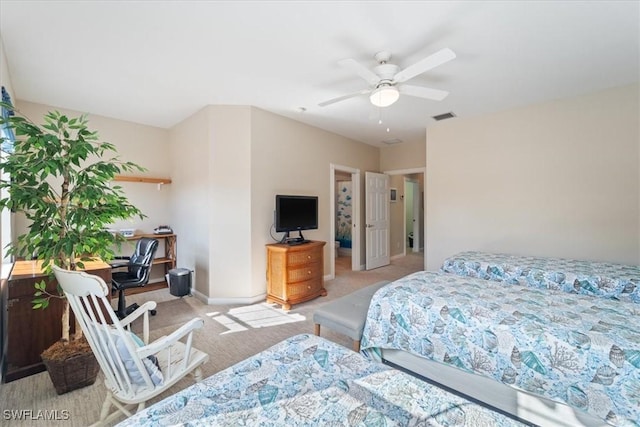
(392, 141)
(444, 116)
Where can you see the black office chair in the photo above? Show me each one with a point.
(137, 274)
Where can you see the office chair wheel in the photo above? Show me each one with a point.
(153, 312)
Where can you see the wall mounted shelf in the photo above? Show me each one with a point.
(144, 179)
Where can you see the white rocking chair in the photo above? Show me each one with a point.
(130, 365)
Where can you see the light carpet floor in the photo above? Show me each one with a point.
(224, 345)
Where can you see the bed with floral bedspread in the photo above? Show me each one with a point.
(600, 279)
(309, 381)
(574, 349)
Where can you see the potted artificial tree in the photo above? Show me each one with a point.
(59, 178)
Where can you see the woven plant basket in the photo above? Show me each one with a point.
(70, 366)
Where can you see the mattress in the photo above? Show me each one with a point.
(599, 279)
(309, 381)
(573, 349)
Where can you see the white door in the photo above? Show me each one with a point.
(377, 220)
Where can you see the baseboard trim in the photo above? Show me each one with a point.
(224, 301)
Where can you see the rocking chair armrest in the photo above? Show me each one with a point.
(144, 309)
(164, 342)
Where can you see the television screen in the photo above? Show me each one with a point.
(296, 213)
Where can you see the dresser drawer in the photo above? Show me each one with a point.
(299, 290)
(312, 255)
(307, 272)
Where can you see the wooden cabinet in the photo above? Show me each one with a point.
(295, 273)
(28, 332)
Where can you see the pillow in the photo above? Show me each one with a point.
(150, 363)
(602, 287)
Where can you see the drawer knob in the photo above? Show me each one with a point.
(308, 256)
(309, 272)
(309, 287)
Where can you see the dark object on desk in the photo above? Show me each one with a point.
(162, 229)
(295, 242)
(137, 274)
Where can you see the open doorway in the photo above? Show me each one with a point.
(407, 213)
(345, 224)
(412, 210)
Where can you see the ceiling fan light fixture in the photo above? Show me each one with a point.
(384, 96)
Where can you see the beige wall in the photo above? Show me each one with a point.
(212, 206)
(191, 202)
(5, 78)
(555, 179)
(231, 262)
(289, 157)
(406, 155)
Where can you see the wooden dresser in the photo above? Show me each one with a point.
(295, 273)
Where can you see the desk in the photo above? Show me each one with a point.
(28, 332)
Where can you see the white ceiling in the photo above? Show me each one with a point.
(158, 62)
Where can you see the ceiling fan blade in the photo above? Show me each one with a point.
(424, 65)
(343, 97)
(423, 92)
(369, 76)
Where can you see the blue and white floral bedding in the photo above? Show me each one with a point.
(308, 381)
(600, 279)
(576, 349)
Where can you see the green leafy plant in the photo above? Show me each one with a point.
(59, 176)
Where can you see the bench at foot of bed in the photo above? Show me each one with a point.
(347, 314)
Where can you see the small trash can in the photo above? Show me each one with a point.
(179, 282)
(411, 239)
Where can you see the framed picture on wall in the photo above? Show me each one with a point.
(393, 195)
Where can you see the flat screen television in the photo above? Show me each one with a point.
(296, 213)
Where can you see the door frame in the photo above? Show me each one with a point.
(355, 214)
(410, 171)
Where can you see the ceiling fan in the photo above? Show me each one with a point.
(385, 80)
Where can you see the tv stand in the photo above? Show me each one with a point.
(293, 241)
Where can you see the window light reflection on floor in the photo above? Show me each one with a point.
(254, 316)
